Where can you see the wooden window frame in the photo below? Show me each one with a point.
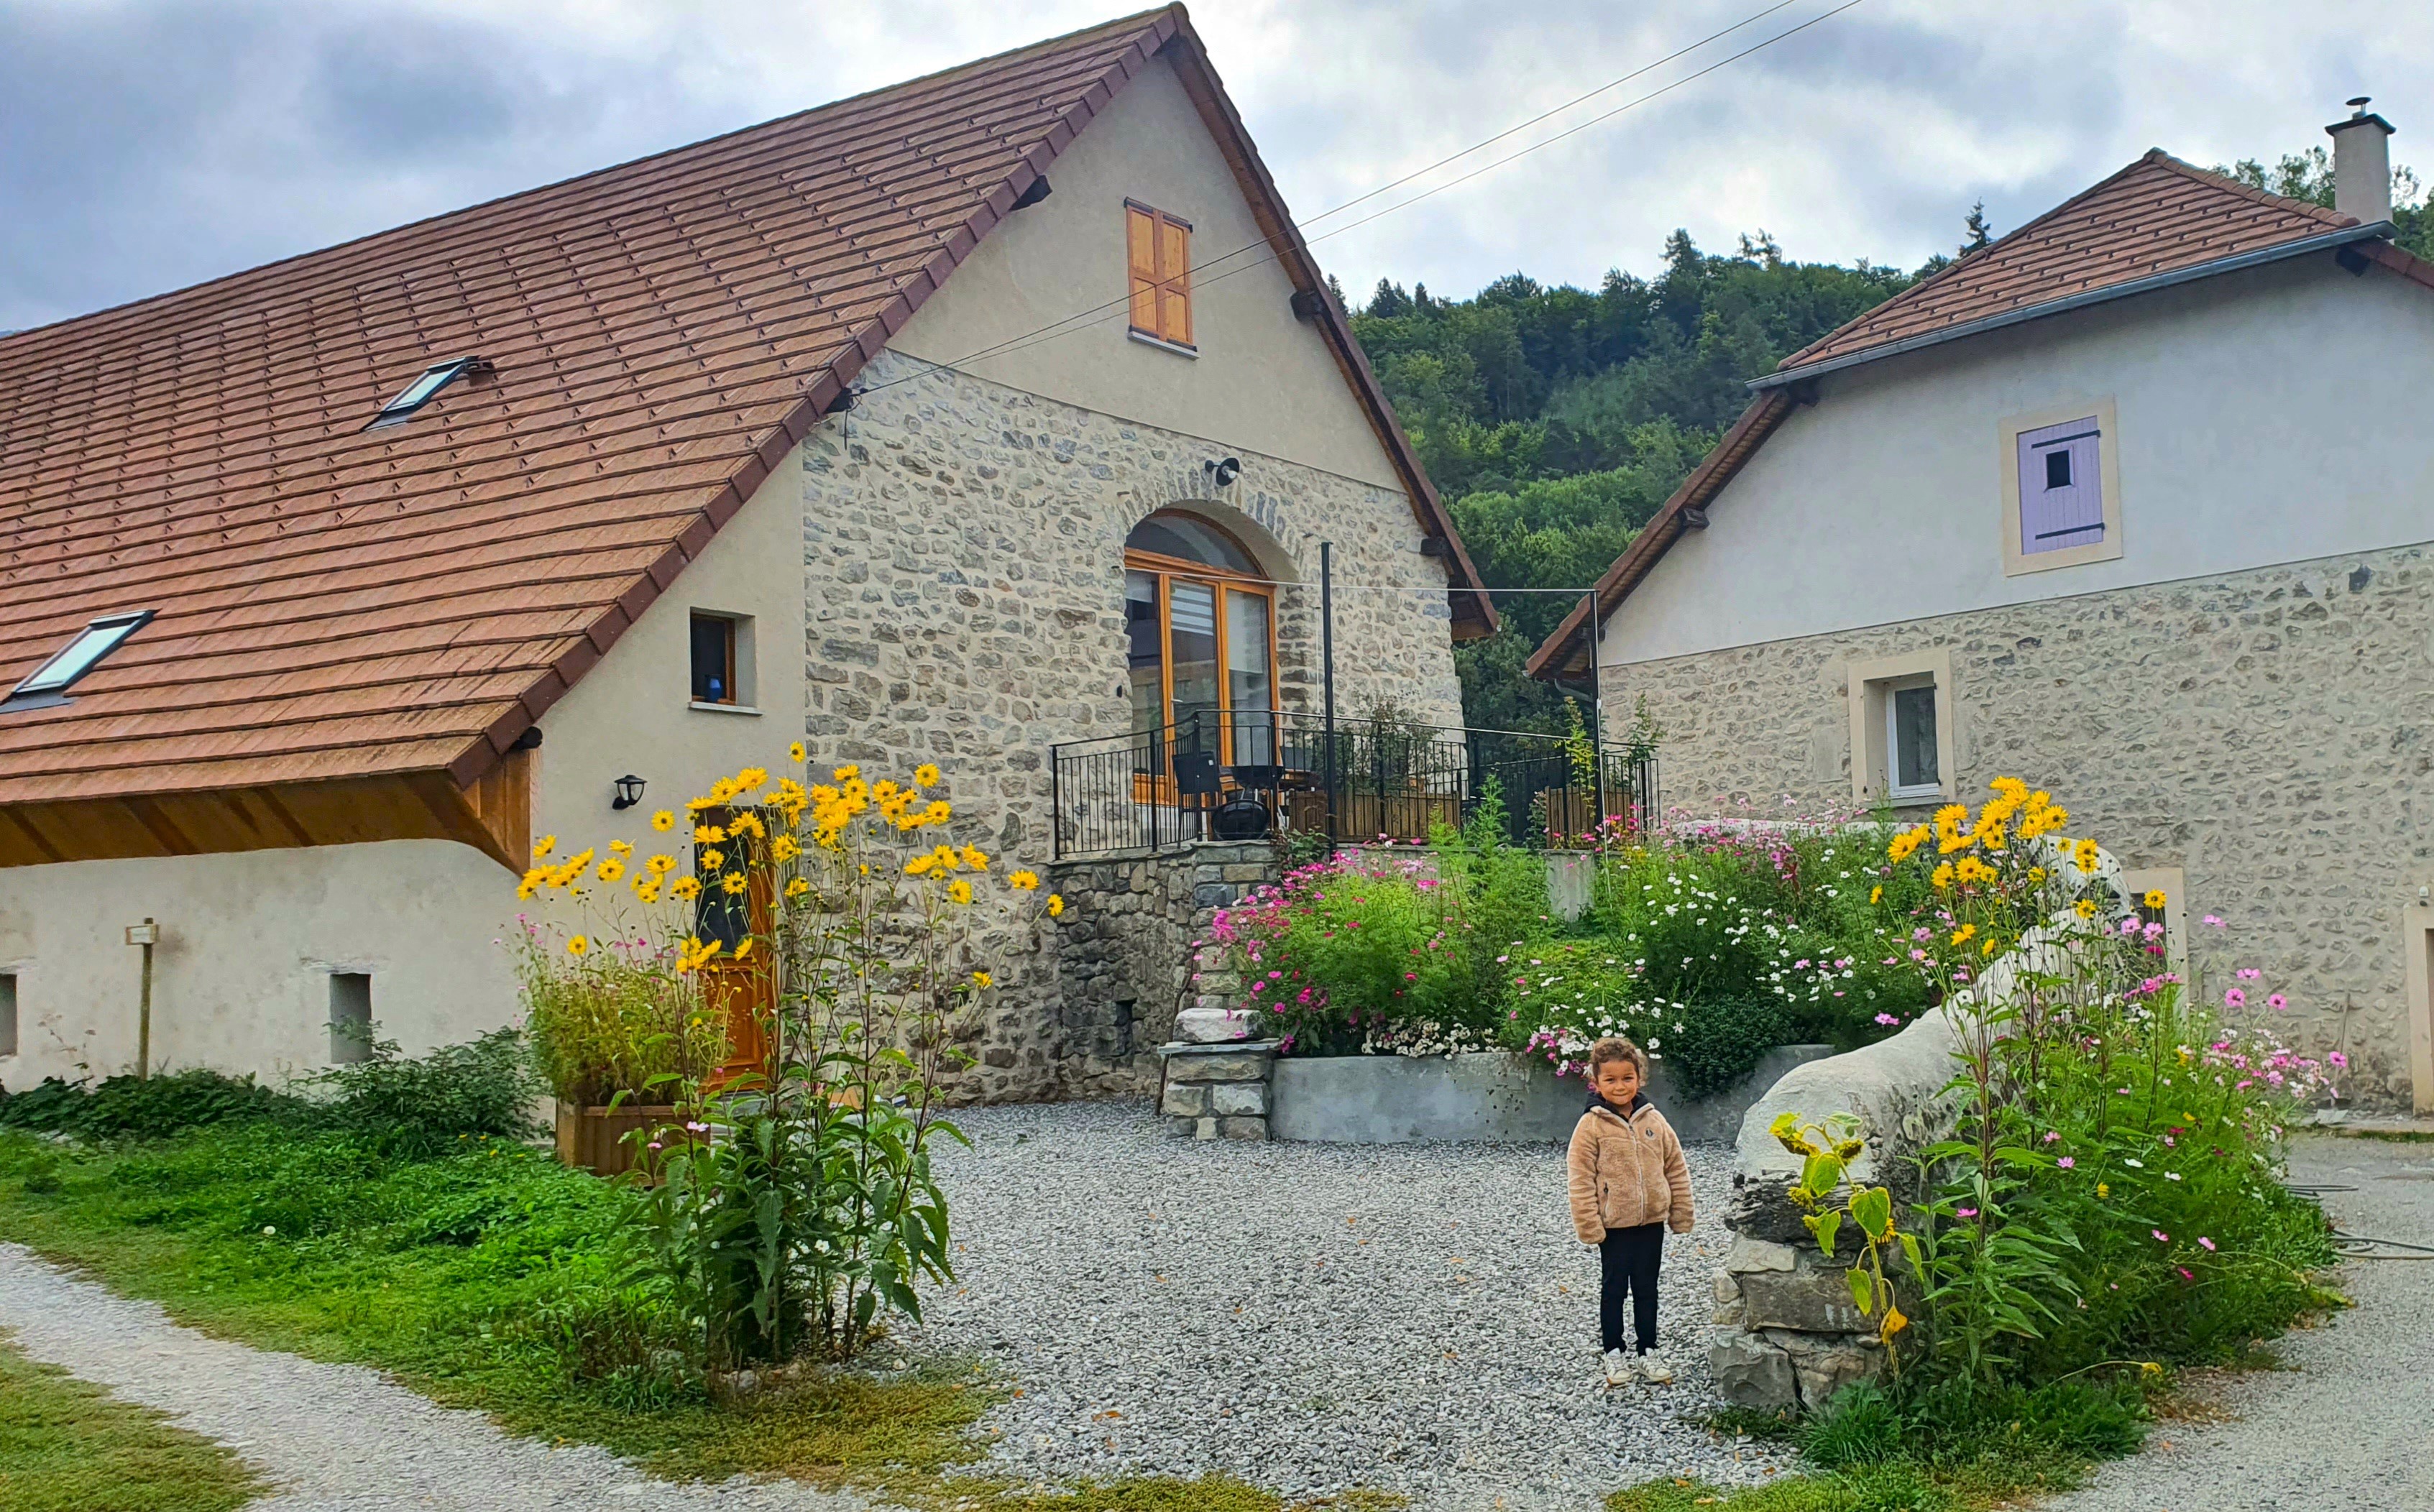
(2108, 468)
(1169, 289)
(1168, 570)
(735, 701)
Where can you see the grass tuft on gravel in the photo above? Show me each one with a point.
(68, 1446)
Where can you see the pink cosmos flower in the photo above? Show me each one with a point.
(2160, 1237)
(2066, 1162)
(2206, 1244)
(2234, 998)
(1887, 1019)
(2277, 1001)
(1964, 1213)
(2052, 1134)
(2337, 1060)
(2186, 1273)
(2212, 920)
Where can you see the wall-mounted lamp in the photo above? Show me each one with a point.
(630, 792)
(1222, 472)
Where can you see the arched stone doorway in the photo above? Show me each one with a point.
(1200, 613)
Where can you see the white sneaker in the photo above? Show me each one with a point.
(1617, 1368)
(1653, 1369)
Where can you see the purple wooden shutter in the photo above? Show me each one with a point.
(2062, 487)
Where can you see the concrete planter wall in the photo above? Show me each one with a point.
(1495, 1097)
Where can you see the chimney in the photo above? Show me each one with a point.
(2362, 163)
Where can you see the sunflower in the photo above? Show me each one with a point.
(982, 978)
(796, 888)
(545, 846)
(975, 858)
(735, 882)
(796, 754)
(2085, 908)
(1023, 881)
(579, 945)
(925, 776)
(685, 886)
(2154, 898)
(1055, 905)
(847, 772)
(663, 821)
(960, 890)
(611, 869)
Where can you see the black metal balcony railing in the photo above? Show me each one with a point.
(1243, 776)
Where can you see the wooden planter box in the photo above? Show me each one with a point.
(593, 1139)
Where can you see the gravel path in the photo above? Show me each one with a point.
(1413, 1318)
(333, 1437)
(2349, 1427)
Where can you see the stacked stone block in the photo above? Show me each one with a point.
(1217, 1091)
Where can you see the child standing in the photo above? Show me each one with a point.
(1628, 1184)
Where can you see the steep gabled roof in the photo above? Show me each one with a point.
(335, 603)
(2157, 222)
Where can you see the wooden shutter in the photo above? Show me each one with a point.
(1157, 249)
(2061, 486)
(1141, 243)
(1174, 280)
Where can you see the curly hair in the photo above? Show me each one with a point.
(1615, 1047)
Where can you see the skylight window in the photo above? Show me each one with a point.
(424, 389)
(50, 681)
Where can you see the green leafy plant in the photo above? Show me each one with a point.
(1826, 1148)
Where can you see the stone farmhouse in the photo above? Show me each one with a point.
(998, 409)
(2132, 504)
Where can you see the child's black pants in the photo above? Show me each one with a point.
(1628, 1261)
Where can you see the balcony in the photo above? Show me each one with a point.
(1234, 776)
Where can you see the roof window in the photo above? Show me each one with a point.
(426, 388)
(49, 683)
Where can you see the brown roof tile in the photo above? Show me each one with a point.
(339, 604)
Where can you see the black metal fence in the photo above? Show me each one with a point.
(1244, 777)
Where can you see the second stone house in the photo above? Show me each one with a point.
(998, 409)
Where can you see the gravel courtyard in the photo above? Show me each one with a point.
(1412, 1318)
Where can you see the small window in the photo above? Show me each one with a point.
(2058, 468)
(714, 669)
(7, 1012)
(52, 679)
(1159, 249)
(424, 389)
(351, 1017)
(1912, 762)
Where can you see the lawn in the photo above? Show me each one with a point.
(490, 1278)
(68, 1446)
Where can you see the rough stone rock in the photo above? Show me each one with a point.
(1237, 1097)
(1749, 1254)
(1751, 1372)
(1809, 1301)
(1727, 1288)
(1243, 1127)
(1211, 1026)
(1185, 1099)
(1228, 1067)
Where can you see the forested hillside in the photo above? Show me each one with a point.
(1555, 420)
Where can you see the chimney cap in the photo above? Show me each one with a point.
(2358, 104)
(2359, 115)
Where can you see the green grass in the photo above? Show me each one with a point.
(68, 1446)
(466, 1278)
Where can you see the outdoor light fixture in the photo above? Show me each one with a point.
(1224, 473)
(630, 792)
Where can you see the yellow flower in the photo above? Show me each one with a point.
(750, 777)
(716, 798)
(796, 754)
(920, 865)
(982, 978)
(2036, 873)
(708, 834)
(960, 890)
(578, 946)
(685, 886)
(1964, 934)
(796, 888)
(734, 883)
(1942, 877)
(1025, 881)
(611, 869)
(847, 772)
(1055, 904)
(974, 859)
(714, 859)
(660, 865)
(645, 890)
(2085, 855)
(2155, 897)
(947, 857)
(545, 846)
(925, 776)
(785, 848)
(938, 813)
(1987, 949)
(1876, 894)
(620, 847)
(663, 821)
(747, 823)
(742, 950)
(2103, 1189)
(884, 789)
(2085, 908)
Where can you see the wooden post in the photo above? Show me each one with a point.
(144, 934)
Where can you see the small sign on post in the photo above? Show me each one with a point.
(147, 934)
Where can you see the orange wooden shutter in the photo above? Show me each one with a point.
(1174, 280)
(1140, 237)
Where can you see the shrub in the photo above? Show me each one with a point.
(422, 1106)
(128, 1107)
(615, 1020)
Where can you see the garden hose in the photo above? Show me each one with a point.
(2357, 1246)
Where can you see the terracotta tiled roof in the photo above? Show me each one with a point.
(2156, 218)
(2157, 215)
(338, 603)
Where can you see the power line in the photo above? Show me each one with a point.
(1084, 319)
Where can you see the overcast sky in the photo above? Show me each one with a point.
(148, 145)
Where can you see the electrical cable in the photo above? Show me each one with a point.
(1084, 319)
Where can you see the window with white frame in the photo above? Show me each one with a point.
(1901, 728)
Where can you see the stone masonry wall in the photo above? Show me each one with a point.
(963, 556)
(2271, 732)
(1126, 964)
